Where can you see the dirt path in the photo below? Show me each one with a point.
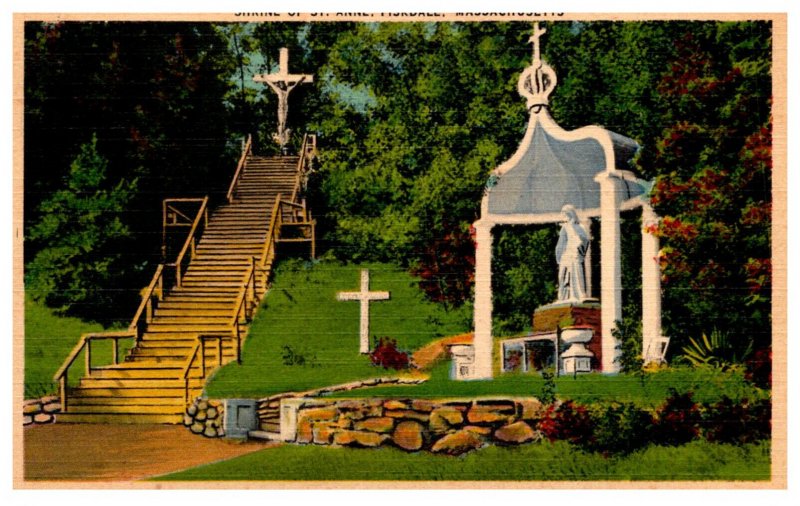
(97, 452)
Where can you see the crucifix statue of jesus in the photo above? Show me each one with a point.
(282, 83)
(365, 297)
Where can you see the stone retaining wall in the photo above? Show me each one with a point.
(40, 411)
(448, 427)
(205, 417)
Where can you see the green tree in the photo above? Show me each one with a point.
(85, 238)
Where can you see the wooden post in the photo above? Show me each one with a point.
(62, 383)
(115, 350)
(202, 357)
(88, 356)
(219, 350)
(238, 345)
(148, 315)
(163, 230)
(191, 257)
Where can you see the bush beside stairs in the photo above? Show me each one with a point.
(149, 385)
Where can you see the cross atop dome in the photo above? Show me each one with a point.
(537, 81)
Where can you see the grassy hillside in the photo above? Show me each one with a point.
(301, 316)
(707, 385)
(698, 460)
(48, 340)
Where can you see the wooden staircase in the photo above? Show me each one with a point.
(181, 335)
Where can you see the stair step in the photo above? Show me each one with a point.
(176, 408)
(193, 311)
(117, 418)
(223, 329)
(153, 371)
(125, 401)
(130, 383)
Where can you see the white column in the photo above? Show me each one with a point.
(483, 300)
(610, 269)
(586, 223)
(651, 282)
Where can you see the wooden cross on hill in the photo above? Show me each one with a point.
(364, 296)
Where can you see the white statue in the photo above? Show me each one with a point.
(573, 242)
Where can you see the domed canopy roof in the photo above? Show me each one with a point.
(550, 170)
(553, 167)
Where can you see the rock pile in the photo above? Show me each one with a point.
(40, 411)
(452, 427)
(205, 417)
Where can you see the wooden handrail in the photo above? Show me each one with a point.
(200, 346)
(309, 142)
(85, 340)
(156, 282)
(248, 146)
(272, 231)
(190, 241)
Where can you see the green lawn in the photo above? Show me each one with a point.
(533, 462)
(301, 311)
(707, 385)
(48, 340)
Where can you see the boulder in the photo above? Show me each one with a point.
(210, 423)
(444, 418)
(187, 420)
(318, 414)
(359, 438)
(201, 415)
(480, 431)
(202, 405)
(532, 409)
(210, 432)
(408, 435)
(344, 422)
(395, 405)
(27, 420)
(323, 433)
(490, 414)
(192, 410)
(515, 433)
(212, 412)
(407, 413)
(52, 407)
(50, 399)
(422, 405)
(457, 443)
(32, 408)
(43, 418)
(197, 428)
(220, 433)
(305, 432)
(382, 424)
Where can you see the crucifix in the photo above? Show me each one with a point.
(364, 296)
(282, 83)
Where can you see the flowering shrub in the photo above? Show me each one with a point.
(677, 420)
(387, 355)
(567, 422)
(758, 368)
(737, 423)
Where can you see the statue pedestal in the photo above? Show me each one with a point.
(581, 332)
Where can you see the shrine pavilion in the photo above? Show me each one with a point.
(589, 169)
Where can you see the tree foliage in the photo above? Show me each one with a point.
(83, 227)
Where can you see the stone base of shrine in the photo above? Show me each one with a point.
(572, 327)
(566, 316)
